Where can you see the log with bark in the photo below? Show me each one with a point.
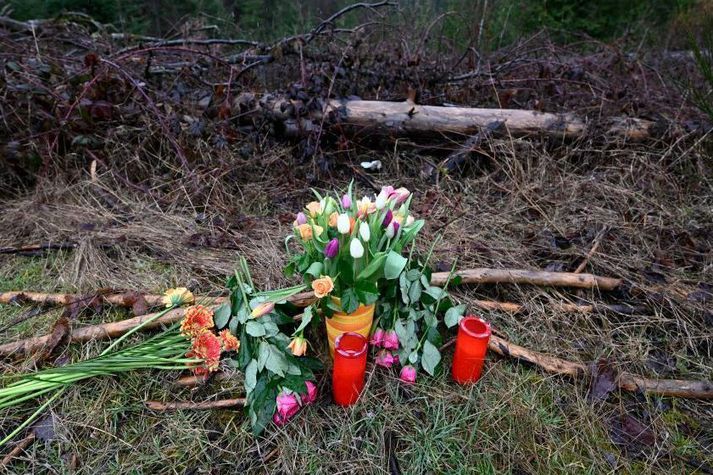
(183, 405)
(418, 121)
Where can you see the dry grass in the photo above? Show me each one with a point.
(526, 206)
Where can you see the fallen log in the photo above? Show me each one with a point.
(625, 381)
(183, 405)
(414, 120)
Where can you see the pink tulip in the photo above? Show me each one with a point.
(311, 395)
(408, 374)
(287, 405)
(391, 340)
(346, 202)
(400, 195)
(384, 358)
(301, 218)
(388, 191)
(377, 339)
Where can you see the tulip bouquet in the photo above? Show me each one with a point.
(350, 247)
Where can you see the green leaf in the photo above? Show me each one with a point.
(394, 264)
(413, 275)
(233, 325)
(263, 355)
(454, 314)
(413, 357)
(367, 292)
(276, 361)
(255, 328)
(270, 327)
(433, 294)
(414, 292)
(430, 358)
(221, 316)
(374, 267)
(250, 376)
(306, 318)
(315, 269)
(350, 300)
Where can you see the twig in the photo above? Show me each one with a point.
(34, 248)
(595, 246)
(184, 405)
(18, 449)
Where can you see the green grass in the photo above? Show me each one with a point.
(517, 420)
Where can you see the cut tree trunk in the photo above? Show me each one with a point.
(422, 121)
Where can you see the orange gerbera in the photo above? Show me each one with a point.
(230, 343)
(207, 346)
(197, 320)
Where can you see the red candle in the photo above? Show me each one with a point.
(349, 368)
(471, 345)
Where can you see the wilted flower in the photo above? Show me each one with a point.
(332, 248)
(343, 223)
(387, 218)
(306, 232)
(408, 374)
(287, 405)
(177, 297)
(364, 231)
(207, 346)
(262, 309)
(384, 358)
(400, 195)
(356, 249)
(391, 340)
(314, 208)
(298, 346)
(230, 342)
(311, 394)
(333, 219)
(322, 286)
(377, 339)
(301, 219)
(197, 319)
(346, 202)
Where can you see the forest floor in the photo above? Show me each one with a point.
(158, 180)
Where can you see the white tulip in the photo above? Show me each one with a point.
(343, 224)
(356, 250)
(381, 199)
(410, 220)
(364, 232)
(390, 230)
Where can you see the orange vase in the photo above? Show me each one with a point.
(358, 322)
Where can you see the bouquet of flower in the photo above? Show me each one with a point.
(349, 247)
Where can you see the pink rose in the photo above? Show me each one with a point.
(287, 405)
(311, 395)
(408, 374)
(384, 358)
(377, 339)
(391, 340)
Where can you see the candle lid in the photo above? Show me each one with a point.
(475, 326)
(350, 345)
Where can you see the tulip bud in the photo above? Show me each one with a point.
(262, 309)
(391, 340)
(381, 200)
(356, 249)
(301, 219)
(409, 220)
(388, 190)
(346, 202)
(387, 218)
(408, 374)
(364, 232)
(400, 195)
(391, 229)
(332, 248)
(343, 224)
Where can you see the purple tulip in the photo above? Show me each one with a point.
(346, 202)
(332, 248)
(388, 218)
(301, 218)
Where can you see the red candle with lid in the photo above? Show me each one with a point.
(349, 368)
(471, 346)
